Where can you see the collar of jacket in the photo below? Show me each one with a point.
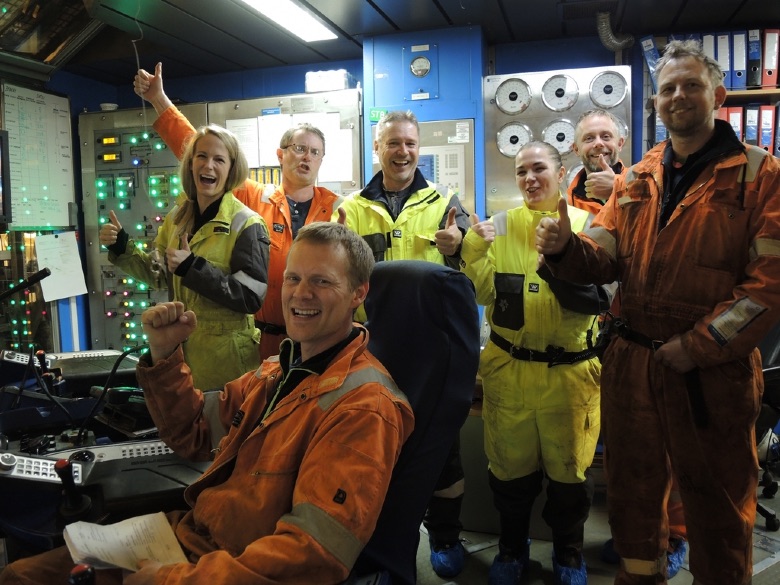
(723, 141)
(578, 189)
(290, 355)
(374, 189)
(293, 372)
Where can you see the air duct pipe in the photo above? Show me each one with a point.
(608, 38)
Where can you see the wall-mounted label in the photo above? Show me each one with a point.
(375, 114)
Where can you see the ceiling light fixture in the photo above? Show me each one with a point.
(293, 18)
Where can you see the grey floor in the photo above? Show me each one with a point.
(481, 548)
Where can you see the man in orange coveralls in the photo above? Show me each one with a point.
(693, 234)
(598, 142)
(285, 209)
(297, 484)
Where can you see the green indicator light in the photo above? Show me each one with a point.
(139, 226)
(154, 193)
(120, 183)
(121, 194)
(145, 136)
(158, 146)
(160, 204)
(100, 183)
(175, 191)
(133, 140)
(154, 181)
(174, 179)
(141, 286)
(102, 220)
(121, 206)
(101, 195)
(139, 245)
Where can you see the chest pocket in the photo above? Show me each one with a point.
(508, 308)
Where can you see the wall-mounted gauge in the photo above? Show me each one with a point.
(608, 89)
(511, 137)
(560, 92)
(420, 66)
(559, 133)
(513, 96)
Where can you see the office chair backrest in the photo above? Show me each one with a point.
(770, 348)
(424, 327)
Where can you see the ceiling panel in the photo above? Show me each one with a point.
(724, 15)
(196, 37)
(356, 18)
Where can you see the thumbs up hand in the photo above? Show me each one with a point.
(175, 256)
(599, 184)
(484, 229)
(109, 231)
(448, 239)
(552, 234)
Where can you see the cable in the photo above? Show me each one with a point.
(137, 59)
(79, 436)
(58, 404)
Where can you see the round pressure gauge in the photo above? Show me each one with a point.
(511, 137)
(608, 89)
(420, 66)
(560, 92)
(559, 133)
(513, 96)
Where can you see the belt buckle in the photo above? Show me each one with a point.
(514, 351)
(655, 344)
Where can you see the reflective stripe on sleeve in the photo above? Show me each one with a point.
(764, 247)
(332, 536)
(603, 238)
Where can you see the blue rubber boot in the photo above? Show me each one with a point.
(508, 569)
(569, 575)
(447, 561)
(676, 557)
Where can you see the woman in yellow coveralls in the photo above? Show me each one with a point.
(540, 377)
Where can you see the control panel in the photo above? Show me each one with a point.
(128, 169)
(35, 469)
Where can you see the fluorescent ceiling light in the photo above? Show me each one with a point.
(294, 18)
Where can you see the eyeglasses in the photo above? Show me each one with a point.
(302, 149)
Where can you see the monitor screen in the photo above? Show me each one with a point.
(5, 180)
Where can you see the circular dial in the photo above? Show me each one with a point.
(559, 133)
(420, 66)
(608, 89)
(560, 92)
(512, 137)
(513, 96)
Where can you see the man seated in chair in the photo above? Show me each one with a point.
(298, 482)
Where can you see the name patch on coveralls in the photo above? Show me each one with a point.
(732, 321)
(533, 287)
(278, 228)
(396, 233)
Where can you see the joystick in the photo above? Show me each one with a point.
(74, 504)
